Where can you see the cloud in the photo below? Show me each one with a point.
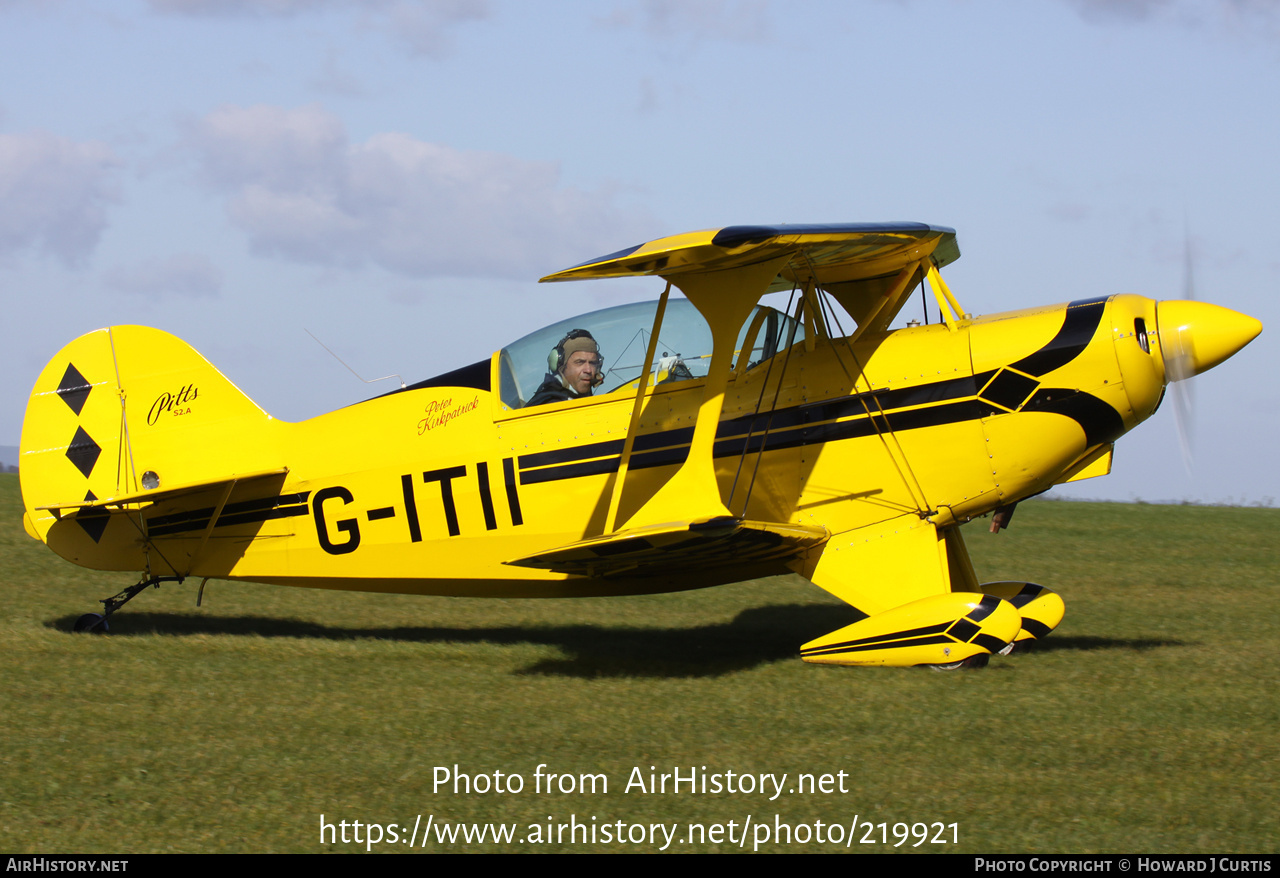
(334, 80)
(421, 25)
(1119, 10)
(733, 20)
(54, 194)
(300, 189)
(227, 8)
(1195, 14)
(184, 274)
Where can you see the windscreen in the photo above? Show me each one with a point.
(622, 334)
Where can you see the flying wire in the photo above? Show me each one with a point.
(912, 484)
(764, 386)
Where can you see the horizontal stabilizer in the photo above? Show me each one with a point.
(679, 546)
(155, 496)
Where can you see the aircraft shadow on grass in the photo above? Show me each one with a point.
(755, 637)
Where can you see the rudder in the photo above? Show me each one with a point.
(121, 402)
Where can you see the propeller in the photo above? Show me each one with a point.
(1194, 337)
(1179, 356)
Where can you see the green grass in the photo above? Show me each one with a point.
(1146, 723)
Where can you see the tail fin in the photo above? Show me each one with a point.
(124, 402)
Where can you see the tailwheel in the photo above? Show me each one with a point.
(95, 622)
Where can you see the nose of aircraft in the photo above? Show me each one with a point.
(1196, 336)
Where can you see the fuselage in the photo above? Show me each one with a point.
(431, 490)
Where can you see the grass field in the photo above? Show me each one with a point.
(1146, 723)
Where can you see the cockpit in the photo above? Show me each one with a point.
(622, 333)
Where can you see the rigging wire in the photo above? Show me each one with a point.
(913, 483)
(746, 445)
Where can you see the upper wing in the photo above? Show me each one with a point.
(724, 272)
(838, 253)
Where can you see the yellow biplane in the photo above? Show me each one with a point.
(719, 439)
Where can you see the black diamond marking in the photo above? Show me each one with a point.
(1009, 389)
(93, 521)
(963, 630)
(83, 452)
(74, 388)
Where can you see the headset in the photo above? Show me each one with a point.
(556, 359)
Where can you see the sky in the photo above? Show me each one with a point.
(394, 176)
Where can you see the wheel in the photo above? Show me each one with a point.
(95, 622)
(973, 661)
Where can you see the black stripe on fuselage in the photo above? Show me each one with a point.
(1078, 328)
(923, 636)
(246, 512)
(611, 448)
(950, 401)
(857, 415)
(1100, 421)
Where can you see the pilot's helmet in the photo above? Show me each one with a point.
(574, 340)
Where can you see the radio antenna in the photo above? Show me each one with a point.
(349, 369)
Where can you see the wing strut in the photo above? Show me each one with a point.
(611, 520)
(888, 306)
(208, 531)
(724, 298)
(946, 300)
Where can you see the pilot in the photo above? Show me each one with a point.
(575, 368)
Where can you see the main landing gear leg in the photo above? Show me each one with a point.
(98, 621)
